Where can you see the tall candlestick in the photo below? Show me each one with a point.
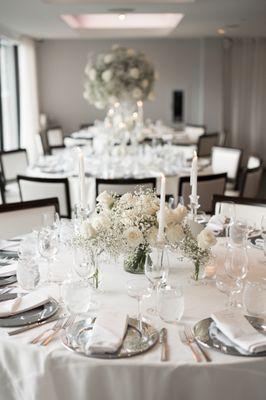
(194, 177)
(140, 111)
(82, 191)
(162, 210)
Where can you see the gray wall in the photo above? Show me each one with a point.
(193, 65)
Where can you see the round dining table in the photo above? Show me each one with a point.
(33, 372)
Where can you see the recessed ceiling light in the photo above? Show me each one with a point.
(131, 21)
(221, 31)
(122, 17)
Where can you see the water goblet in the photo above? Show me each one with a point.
(156, 271)
(227, 210)
(263, 234)
(236, 266)
(138, 289)
(238, 233)
(254, 298)
(171, 302)
(48, 245)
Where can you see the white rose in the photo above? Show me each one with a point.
(137, 93)
(134, 73)
(100, 221)
(108, 58)
(92, 74)
(206, 239)
(133, 237)
(105, 200)
(151, 96)
(127, 198)
(112, 99)
(145, 83)
(130, 52)
(174, 233)
(90, 232)
(179, 213)
(107, 75)
(152, 235)
(99, 104)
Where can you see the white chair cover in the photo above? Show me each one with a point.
(34, 190)
(226, 159)
(253, 162)
(14, 163)
(194, 132)
(55, 137)
(252, 213)
(22, 221)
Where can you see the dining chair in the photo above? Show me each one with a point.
(12, 163)
(2, 190)
(208, 185)
(85, 125)
(252, 177)
(54, 136)
(194, 131)
(206, 143)
(227, 159)
(121, 186)
(21, 218)
(33, 188)
(246, 208)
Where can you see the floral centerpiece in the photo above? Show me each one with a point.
(121, 75)
(128, 225)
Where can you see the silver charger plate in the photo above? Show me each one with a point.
(201, 330)
(8, 280)
(29, 317)
(258, 244)
(77, 336)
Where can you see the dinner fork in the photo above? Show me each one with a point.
(191, 337)
(70, 320)
(184, 339)
(56, 326)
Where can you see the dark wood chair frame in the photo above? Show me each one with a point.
(246, 172)
(130, 181)
(201, 138)
(25, 205)
(49, 180)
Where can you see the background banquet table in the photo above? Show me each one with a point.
(31, 372)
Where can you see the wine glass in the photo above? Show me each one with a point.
(238, 233)
(138, 290)
(236, 266)
(156, 271)
(263, 234)
(85, 263)
(48, 245)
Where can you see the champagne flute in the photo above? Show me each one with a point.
(138, 290)
(228, 212)
(236, 266)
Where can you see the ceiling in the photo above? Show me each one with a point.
(41, 18)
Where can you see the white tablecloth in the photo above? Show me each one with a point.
(30, 372)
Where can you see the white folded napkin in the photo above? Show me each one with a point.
(27, 302)
(108, 332)
(8, 270)
(216, 223)
(234, 325)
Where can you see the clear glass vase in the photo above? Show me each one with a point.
(135, 261)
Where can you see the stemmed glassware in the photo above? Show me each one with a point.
(228, 211)
(48, 245)
(263, 234)
(138, 289)
(236, 266)
(156, 271)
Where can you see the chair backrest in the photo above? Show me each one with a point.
(226, 159)
(32, 188)
(21, 218)
(2, 189)
(55, 136)
(12, 163)
(251, 182)
(208, 185)
(253, 162)
(121, 186)
(248, 209)
(57, 150)
(195, 131)
(86, 125)
(206, 143)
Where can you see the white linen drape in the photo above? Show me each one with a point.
(245, 94)
(29, 108)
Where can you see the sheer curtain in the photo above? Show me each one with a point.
(9, 95)
(245, 94)
(29, 108)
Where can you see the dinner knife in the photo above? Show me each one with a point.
(163, 341)
(34, 325)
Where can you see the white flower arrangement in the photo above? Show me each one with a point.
(129, 225)
(121, 75)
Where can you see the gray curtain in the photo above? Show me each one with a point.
(245, 94)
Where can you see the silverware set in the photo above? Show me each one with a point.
(187, 337)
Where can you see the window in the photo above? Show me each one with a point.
(9, 96)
